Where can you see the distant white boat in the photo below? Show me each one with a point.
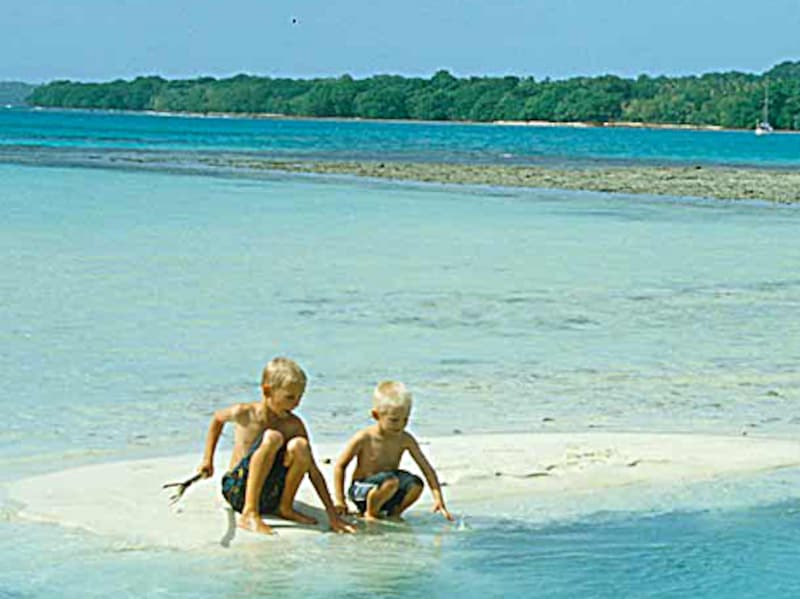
(763, 127)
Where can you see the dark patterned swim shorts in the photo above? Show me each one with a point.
(234, 483)
(360, 489)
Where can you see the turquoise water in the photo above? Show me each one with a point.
(136, 303)
(52, 133)
(737, 552)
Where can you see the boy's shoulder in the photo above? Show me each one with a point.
(291, 425)
(408, 439)
(363, 433)
(242, 411)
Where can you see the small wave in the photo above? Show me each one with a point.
(580, 320)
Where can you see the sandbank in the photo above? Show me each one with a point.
(711, 182)
(780, 185)
(124, 500)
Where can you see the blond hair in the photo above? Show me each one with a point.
(390, 394)
(280, 372)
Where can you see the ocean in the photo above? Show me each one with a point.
(136, 301)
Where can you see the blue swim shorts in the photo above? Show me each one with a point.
(359, 489)
(234, 482)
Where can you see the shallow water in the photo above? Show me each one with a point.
(139, 298)
(706, 551)
(134, 304)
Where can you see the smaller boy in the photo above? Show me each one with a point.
(378, 485)
(271, 453)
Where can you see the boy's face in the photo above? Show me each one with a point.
(285, 398)
(392, 419)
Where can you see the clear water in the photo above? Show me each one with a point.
(737, 552)
(136, 303)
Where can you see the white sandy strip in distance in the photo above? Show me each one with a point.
(125, 500)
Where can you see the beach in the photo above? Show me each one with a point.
(480, 474)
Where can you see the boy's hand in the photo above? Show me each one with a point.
(339, 525)
(341, 509)
(206, 469)
(438, 506)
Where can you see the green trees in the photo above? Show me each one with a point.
(727, 99)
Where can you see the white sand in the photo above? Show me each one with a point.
(124, 500)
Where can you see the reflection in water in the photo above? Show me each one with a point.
(384, 559)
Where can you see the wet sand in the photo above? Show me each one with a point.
(124, 500)
(728, 183)
(780, 185)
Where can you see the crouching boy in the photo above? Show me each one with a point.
(378, 486)
(271, 453)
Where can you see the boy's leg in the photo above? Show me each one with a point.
(408, 491)
(412, 494)
(297, 462)
(260, 465)
(380, 495)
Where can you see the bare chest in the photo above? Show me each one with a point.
(378, 454)
(246, 436)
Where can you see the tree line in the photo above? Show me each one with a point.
(730, 99)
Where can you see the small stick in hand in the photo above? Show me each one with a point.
(181, 487)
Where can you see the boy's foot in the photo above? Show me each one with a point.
(370, 518)
(254, 523)
(295, 516)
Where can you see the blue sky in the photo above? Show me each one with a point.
(41, 40)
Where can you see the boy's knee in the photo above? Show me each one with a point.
(415, 484)
(299, 451)
(272, 440)
(414, 488)
(391, 483)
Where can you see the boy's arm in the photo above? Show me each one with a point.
(321, 487)
(350, 451)
(430, 476)
(233, 413)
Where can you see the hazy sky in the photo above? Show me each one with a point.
(41, 40)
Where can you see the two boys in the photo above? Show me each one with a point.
(271, 455)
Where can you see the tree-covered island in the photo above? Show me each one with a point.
(730, 100)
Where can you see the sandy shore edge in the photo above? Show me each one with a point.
(124, 500)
